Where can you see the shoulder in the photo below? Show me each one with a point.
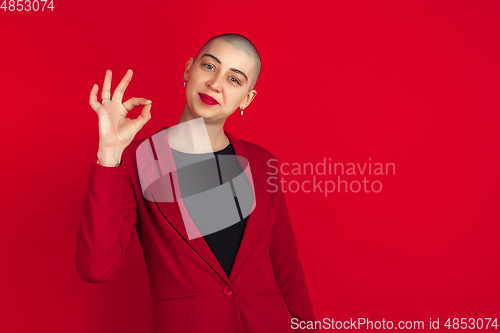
(261, 155)
(256, 150)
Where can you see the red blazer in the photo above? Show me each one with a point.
(189, 289)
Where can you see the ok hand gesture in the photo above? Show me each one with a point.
(116, 131)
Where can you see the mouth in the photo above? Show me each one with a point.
(207, 99)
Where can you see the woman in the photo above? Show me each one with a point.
(239, 276)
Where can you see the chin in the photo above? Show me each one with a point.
(201, 112)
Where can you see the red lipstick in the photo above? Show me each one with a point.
(207, 99)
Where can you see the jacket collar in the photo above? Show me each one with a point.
(176, 214)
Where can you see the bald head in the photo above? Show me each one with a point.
(240, 43)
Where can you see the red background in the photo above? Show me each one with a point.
(410, 83)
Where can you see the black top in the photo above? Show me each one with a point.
(202, 172)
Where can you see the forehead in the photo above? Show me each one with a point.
(230, 56)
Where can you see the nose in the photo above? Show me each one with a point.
(215, 83)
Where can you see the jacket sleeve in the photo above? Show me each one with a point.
(107, 223)
(287, 267)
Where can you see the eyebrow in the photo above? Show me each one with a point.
(231, 69)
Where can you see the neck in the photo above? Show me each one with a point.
(197, 135)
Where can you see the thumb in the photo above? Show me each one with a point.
(144, 117)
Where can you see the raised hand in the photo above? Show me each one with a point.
(116, 131)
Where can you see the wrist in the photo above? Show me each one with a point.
(109, 165)
(109, 157)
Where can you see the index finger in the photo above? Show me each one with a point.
(120, 89)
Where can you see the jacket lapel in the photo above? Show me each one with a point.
(258, 215)
(175, 212)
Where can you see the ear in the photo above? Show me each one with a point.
(189, 63)
(248, 99)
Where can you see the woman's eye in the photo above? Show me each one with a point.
(235, 80)
(208, 66)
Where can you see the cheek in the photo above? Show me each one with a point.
(194, 79)
(231, 103)
(191, 95)
(235, 99)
